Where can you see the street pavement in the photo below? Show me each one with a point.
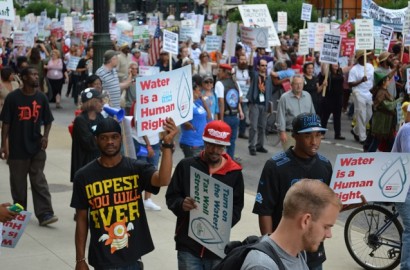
(52, 247)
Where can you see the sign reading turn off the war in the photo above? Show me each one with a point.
(210, 223)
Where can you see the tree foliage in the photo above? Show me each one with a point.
(292, 7)
(38, 7)
(396, 4)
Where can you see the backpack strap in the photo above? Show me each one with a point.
(268, 249)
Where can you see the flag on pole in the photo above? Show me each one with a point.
(155, 46)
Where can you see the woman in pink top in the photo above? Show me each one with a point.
(56, 74)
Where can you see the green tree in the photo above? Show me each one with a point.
(395, 4)
(292, 7)
(38, 7)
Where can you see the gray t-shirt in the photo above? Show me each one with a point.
(257, 260)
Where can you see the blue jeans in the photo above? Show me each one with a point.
(404, 211)
(191, 151)
(233, 122)
(187, 261)
(152, 160)
(319, 267)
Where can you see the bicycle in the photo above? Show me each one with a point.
(373, 237)
(272, 133)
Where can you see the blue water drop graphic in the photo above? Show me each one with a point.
(392, 181)
(184, 96)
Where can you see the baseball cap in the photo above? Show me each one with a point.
(217, 132)
(306, 123)
(90, 93)
(107, 125)
(110, 54)
(207, 77)
(226, 67)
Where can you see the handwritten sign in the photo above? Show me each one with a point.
(330, 49)
(255, 37)
(213, 43)
(168, 94)
(170, 42)
(382, 177)
(13, 230)
(306, 14)
(303, 42)
(259, 16)
(282, 21)
(210, 224)
(7, 10)
(364, 34)
(320, 30)
(148, 71)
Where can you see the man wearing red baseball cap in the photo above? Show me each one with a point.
(213, 161)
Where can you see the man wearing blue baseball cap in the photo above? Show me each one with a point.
(288, 167)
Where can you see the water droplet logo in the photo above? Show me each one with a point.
(204, 231)
(261, 38)
(392, 181)
(184, 96)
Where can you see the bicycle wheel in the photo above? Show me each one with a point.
(271, 131)
(370, 247)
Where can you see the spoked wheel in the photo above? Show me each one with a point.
(370, 244)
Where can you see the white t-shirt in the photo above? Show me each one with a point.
(357, 73)
(220, 90)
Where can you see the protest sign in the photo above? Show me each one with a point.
(124, 40)
(255, 37)
(282, 21)
(311, 31)
(121, 17)
(387, 33)
(152, 25)
(13, 230)
(346, 26)
(210, 223)
(7, 10)
(231, 39)
(320, 30)
(391, 17)
(147, 71)
(303, 42)
(213, 43)
(364, 34)
(168, 94)
(170, 42)
(378, 45)
(259, 16)
(347, 48)
(73, 62)
(381, 177)
(406, 40)
(19, 38)
(141, 32)
(68, 24)
(188, 31)
(306, 14)
(408, 80)
(330, 49)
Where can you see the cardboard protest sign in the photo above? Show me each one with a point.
(257, 37)
(73, 62)
(210, 223)
(381, 177)
(347, 48)
(7, 10)
(168, 94)
(282, 21)
(259, 16)
(13, 230)
(330, 49)
(378, 45)
(213, 43)
(406, 40)
(306, 13)
(364, 34)
(346, 26)
(320, 30)
(188, 31)
(147, 71)
(303, 42)
(19, 38)
(170, 42)
(68, 24)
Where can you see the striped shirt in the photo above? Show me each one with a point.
(111, 84)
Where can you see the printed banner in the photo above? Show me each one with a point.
(348, 47)
(210, 224)
(391, 17)
(7, 10)
(259, 16)
(168, 94)
(257, 37)
(282, 21)
(303, 42)
(170, 42)
(13, 230)
(380, 177)
(213, 43)
(306, 13)
(330, 49)
(364, 34)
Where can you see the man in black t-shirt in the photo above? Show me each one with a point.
(23, 146)
(107, 199)
(287, 168)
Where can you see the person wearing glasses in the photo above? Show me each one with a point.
(209, 96)
(205, 66)
(215, 161)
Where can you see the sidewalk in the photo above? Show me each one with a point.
(52, 247)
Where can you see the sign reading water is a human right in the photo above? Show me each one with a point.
(168, 94)
(11, 231)
(364, 34)
(210, 223)
(330, 49)
(380, 177)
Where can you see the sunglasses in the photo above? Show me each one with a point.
(208, 82)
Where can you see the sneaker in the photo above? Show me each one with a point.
(356, 137)
(243, 136)
(150, 205)
(48, 219)
(261, 150)
(252, 152)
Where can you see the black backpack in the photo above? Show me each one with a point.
(236, 252)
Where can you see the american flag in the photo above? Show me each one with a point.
(155, 46)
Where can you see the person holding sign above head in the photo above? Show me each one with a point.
(285, 169)
(213, 161)
(108, 202)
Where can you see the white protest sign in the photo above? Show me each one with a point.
(378, 45)
(73, 62)
(141, 32)
(210, 223)
(259, 16)
(303, 42)
(188, 31)
(121, 17)
(168, 94)
(320, 30)
(19, 38)
(408, 80)
(387, 33)
(312, 32)
(7, 10)
(330, 49)
(5, 29)
(407, 40)
(406, 22)
(255, 37)
(152, 25)
(381, 177)
(364, 34)
(147, 71)
(231, 39)
(170, 42)
(213, 43)
(306, 14)
(282, 21)
(68, 24)
(124, 40)
(13, 230)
